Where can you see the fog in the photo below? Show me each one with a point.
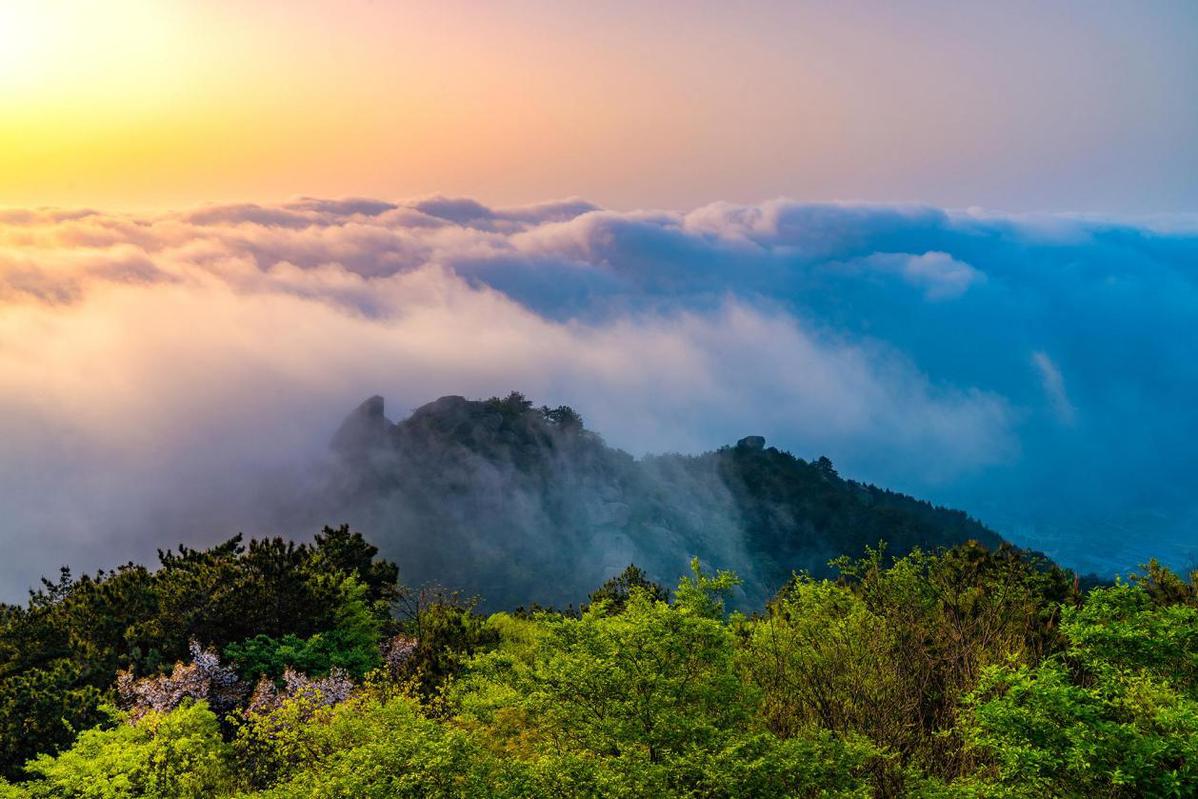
(178, 377)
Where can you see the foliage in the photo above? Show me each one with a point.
(177, 755)
(645, 702)
(447, 632)
(60, 653)
(616, 591)
(1116, 716)
(822, 660)
(647, 683)
(371, 748)
(962, 673)
(352, 644)
(944, 619)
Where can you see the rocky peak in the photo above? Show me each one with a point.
(751, 443)
(363, 429)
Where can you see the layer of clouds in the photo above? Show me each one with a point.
(171, 376)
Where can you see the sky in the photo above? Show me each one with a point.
(1016, 106)
(951, 246)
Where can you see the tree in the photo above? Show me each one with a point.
(176, 755)
(616, 591)
(563, 417)
(447, 632)
(1116, 716)
(645, 683)
(60, 654)
(947, 617)
(645, 702)
(352, 644)
(823, 660)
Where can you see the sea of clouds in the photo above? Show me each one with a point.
(173, 377)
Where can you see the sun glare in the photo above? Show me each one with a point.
(25, 28)
(66, 50)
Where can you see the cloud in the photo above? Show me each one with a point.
(1054, 387)
(171, 375)
(938, 274)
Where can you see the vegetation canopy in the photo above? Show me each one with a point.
(271, 669)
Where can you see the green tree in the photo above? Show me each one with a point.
(352, 644)
(948, 616)
(370, 747)
(649, 682)
(60, 653)
(823, 660)
(448, 632)
(176, 755)
(616, 591)
(1116, 716)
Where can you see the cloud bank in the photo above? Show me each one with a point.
(169, 377)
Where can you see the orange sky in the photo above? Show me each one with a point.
(153, 103)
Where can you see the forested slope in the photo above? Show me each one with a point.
(523, 504)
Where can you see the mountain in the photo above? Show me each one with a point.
(524, 504)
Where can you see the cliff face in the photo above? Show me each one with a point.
(520, 504)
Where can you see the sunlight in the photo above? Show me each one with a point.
(24, 30)
(67, 50)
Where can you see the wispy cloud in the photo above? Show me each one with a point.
(1054, 387)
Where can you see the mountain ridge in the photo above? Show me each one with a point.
(521, 503)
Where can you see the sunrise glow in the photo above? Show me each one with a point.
(140, 104)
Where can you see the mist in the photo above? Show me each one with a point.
(178, 377)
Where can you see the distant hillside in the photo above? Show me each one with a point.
(519, 504)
